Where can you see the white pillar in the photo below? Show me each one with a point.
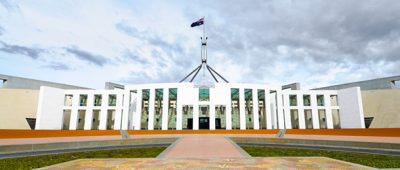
(196, 116)
(178, 115)
(228, 113)
(89, 113)
(212, 117)
(138, 114)
(121, 110)
(256, 120)
(268, 111)
(74, 111)
(328, 111)
(286, 108)
(242, 109)
(165, 109)
(103, 112)
(279, 106)
(151, 109)
(125, 113)
(103, 119)
(314, 111)
(302, 122)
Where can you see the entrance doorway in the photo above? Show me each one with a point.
(190, 123)
(217, 123)
(204, 123)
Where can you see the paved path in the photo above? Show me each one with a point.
(204, 146)
(231, 163)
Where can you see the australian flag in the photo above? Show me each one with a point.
(197, 23)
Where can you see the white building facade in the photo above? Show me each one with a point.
(181, 106)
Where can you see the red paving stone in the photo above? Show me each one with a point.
(17, 141)
(204, 146)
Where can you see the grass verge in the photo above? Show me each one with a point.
(372, 160)
(46, 160)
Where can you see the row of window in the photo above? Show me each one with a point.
(112, 100)
(307, 100)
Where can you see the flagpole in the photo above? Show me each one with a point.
(204, 46)
(204, 28)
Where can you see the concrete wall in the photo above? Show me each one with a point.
(351, 110)
(49, 114)
(374, 84)
(384, 106)
(15, 106)
(12, 82)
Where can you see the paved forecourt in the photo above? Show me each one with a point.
(208, 152)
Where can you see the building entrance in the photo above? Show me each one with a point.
(204, 123)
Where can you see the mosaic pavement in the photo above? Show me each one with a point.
(234, 163)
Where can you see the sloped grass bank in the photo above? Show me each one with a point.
(371, 160)
(32, 162)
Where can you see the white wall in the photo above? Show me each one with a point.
(351, 111)
(51, 105)
(50, 112)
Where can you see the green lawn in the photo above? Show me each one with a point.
(46, 160)
(372, 160)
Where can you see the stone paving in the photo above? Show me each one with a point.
(208, 152)
(231, 163)
(204, 146)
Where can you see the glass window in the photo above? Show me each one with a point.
(308, 118)
(334, 100)
(322, 118)
(235, 108)
(336, 118)
(83, 100)
(173, 95)
(248, 97)
(261, 109)
(320, 100)
(294, 116)
(396, 84)
(158, 107)
(66, 119)
(97, 100)
(293, 100)
(306, 100)
(68, 100)
(95, 120)
(112, 100)
(204, 94)
(145, 109)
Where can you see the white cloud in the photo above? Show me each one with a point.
(275, 42)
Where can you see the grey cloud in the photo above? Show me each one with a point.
(58, 66)
(87, 56)
(9, 5)
(313, 32)
(154, 40)
(165, 53)
(32, 52)
(131, 31)
(133, 55)
(1, 30)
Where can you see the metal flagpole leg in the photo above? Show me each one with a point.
(190, 74)
(212, 73)
(195, 74)
(219, 75)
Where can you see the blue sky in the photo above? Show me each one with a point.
(87, 43)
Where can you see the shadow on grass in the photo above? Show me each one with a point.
(46, 160)
(372, 160)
